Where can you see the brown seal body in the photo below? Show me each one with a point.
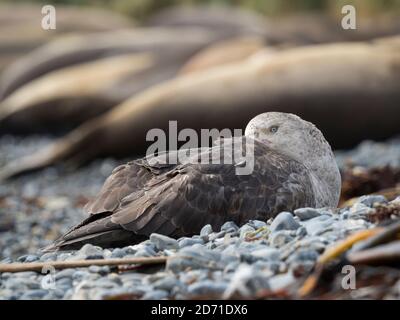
(75, 49)
(337, 87)
(66, 97)
(295, 29)
(21, 30)
(222, 53)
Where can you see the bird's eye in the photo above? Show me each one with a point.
(273, 129)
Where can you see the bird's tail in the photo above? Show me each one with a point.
(98, 230)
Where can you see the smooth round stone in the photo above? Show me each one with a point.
(144, 252)
(66, 273)
(162, 242)
(155, 295)
(266, 254)
(89, 251)
(370, 200)
(216, 235)
(167, 283)
(257, 224)
(284, 221)
(306, 213)
(48, 256)
(246, 229)
(281, 281)
(186, 242)
(207, 287)
(99, 269)
(229, 226)
(206, 230)
(107, 253)
(80, 274)
(318, 225)
(117, 253)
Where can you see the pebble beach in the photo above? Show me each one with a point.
(235, 261)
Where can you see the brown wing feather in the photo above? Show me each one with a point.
(178, 200)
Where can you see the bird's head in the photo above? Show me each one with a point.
(290, 135)
(302, 141)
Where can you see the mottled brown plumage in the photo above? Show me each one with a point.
(152, 195)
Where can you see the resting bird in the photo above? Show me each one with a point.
(292, 166)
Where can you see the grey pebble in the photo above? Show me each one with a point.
(66, 273)
(206, 230)
(284, 221)
(245, 229)
(229, 226)
(216, 235)
(144, 251)
(318, 225)
(162, 242)
(370, 200)
(207, 287)
(155, 295)
(117, 253)
(80, 274)
(257, 224)
(89, 251)
(167, 283)
(307, 213)
(186, 242)
(281, 281)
